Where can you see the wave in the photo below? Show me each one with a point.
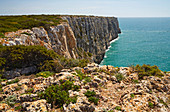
(112, 42)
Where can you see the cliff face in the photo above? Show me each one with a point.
(93, 34)
(72, 39)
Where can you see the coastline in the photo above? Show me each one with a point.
(114, 40)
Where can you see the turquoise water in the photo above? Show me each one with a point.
(143, 41)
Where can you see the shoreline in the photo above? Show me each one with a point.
(114, 40)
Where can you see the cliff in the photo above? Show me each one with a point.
(79, 37)
(93, 34)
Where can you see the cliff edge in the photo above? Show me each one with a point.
(78, 37)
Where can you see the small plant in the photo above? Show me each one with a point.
(13, 81)
(87, 79)
(58, 95)
(90, 93)
(2, 35)
(93, 99)
(118, 108)
(18, 108)
(11, 100)
(80, 75)
(151, 105)
(132, 95)
(164, 103)
(18, 88)
(45, 74)
(135, 81)
(119, 77)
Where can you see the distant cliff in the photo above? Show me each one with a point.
(93, 34)
(79, 37)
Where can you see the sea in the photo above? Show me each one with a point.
(142, 41)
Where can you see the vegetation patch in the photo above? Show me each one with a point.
(92, 97)
(58, 95)
(147, 70)
(119, 77)
(12, 81)
(45, 74)
(20, 56)
(118, 108)
(14, 23)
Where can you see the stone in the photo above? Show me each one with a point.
(39, 105)
(3, 106)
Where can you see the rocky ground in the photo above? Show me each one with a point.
(113, 89)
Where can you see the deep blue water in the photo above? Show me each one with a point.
(143, 41)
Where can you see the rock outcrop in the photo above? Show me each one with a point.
(73, 39)
(130, 94)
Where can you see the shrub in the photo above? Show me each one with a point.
(132, 95)
(119, 77)
(91, 97)
(80, 75)
(151, 105)
(19, 56)
(118, 108)
(135, 81)
(13, 81)
(18, 108)
(2, 35)
(58, 95)
(11, 100)
(45, 74)
(90, 93)
(12, 57)
(147, 70)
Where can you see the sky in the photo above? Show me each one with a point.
(117, 8)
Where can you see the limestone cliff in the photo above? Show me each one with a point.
(75, 38)
(94, 34)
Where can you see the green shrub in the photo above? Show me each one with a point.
(87, 79)
(58, 95)
(11, 100)
(118, 108)
(90, 93)
(93, 99)
(20, 56)
(45, 74)
(2, 35)
(92, 96)
(80, 75)
(119, 77)
(132, 95)
(18, 108)
(151, 105)
(164, 103)
(12, 57)
(135, 81)
(147, 70)
(13, 81)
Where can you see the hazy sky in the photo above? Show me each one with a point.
(118, 8)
